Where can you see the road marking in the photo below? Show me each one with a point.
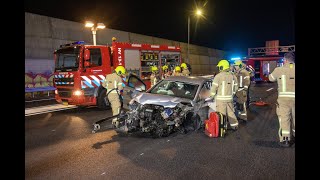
(47, 109)
(269, 89)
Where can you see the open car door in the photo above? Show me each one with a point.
(134, 86)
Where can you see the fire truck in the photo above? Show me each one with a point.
(265, 59)
(81, 69)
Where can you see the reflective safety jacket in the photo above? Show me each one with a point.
(243, 77)
(224, 86)
(176, 73)
(113, 81)
(154, 78)
(185, 72)
(285, 77)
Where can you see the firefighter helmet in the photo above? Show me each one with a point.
(177, 69)
(120, 70)
(223, 65)
(154, 68)
(114, 39)
(184, 65)
(165, 67)
(238, 63)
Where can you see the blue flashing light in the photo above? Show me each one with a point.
(72, 44)
(78, 42)
(235, 58)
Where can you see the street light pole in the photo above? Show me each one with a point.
(198, 13)
(94, 29)
(188, 38)
(94, 32)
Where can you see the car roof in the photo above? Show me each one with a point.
(191, 79)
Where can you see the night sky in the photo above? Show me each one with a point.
(231, 25)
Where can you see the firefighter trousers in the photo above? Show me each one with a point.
(242, 110)
(115, 104)
(227, 109)
(286, 116)
(241, 104)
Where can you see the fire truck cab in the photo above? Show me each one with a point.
(265, 59)
(80, 69)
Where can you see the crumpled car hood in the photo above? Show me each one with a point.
(158, 99)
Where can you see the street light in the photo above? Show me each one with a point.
(198, 13)
(94, 29)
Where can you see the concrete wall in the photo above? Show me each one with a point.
(45, 34)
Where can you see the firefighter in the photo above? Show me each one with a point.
(224, 86)
(154, 77)
(177, 71)
(113, 84)
(251, 71)
(243, 77)
(285, 78)
(165, 71)
(185, 70)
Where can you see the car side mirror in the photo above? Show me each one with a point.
(86, 58)
(86, 55)
(86, 63)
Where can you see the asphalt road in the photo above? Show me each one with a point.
(60, 145)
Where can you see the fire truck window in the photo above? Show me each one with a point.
(95, 57)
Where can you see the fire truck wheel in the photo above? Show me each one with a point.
(100, 100)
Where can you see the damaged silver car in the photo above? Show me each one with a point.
(174, 104)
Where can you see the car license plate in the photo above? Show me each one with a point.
(65, 103)
(166, 113)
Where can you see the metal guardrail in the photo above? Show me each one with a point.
(39, 89)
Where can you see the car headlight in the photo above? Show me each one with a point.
(77, 93)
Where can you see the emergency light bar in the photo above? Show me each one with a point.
(71, 44)
(236, 58)
(78, 42)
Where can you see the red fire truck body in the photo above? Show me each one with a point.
(80, 69)
(265, 59)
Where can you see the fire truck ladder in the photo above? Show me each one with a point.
(266, 50)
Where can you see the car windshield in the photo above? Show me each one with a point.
(176, 89)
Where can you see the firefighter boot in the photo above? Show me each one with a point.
(243, 113)
(285, 142)
(234, 128)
